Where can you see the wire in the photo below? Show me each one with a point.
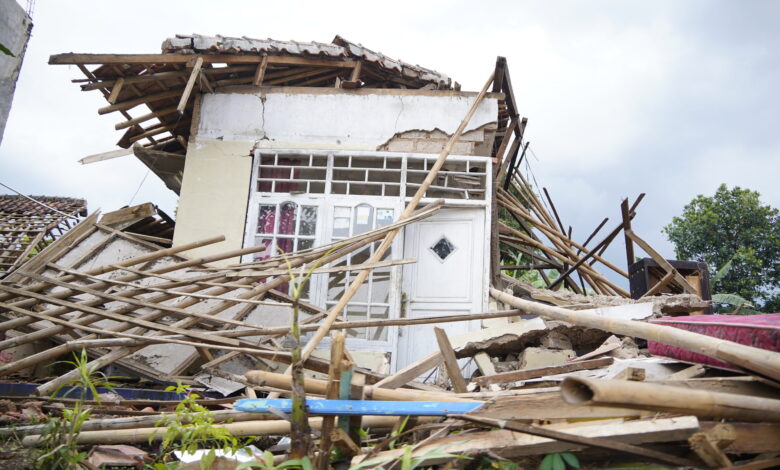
(139, 187)
(39, 202)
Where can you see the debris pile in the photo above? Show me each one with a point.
(216, 360)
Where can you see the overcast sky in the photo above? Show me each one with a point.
(671, 98)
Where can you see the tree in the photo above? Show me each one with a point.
(733, 227)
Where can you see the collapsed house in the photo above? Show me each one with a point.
(402, 197)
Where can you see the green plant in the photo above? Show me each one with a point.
(742, 306)
(407, 460)
(559, 461)
(733, 230)
(191, 427)
(59, 437)
(267, 463)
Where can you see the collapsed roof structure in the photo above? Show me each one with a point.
(379, 206)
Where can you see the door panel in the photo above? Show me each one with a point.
(448, 278)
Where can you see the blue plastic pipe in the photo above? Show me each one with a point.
(360, 407)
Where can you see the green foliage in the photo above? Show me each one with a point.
(734, 231)
(267, 463)
(191, 427)
(559, 461)
(407, 461)
(59, 435)
(6, 51)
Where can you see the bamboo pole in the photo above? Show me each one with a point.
(657, 397)
(758, 361)
(520, 211)
(123, 352)
(283, 381)
(240, 429)
(382, 249)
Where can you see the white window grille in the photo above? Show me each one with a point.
(302, 199)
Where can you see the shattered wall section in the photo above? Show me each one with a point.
(474, 142)
(15, 27)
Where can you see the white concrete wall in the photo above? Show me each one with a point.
(214, 195)
(333, 118)
(15, 28)
(218, 168)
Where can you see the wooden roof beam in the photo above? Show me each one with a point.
(100, 59)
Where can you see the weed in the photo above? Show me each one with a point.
(559, 461)
(191, 427)
(59, 438)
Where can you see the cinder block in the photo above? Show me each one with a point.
(401, 145)
(463, 148)
(535, 358)
(429, 146)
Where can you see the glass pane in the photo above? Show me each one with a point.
(308, 220)
(357, 314)
(269, 248)
(443, 248)
(341, 216)
(287, 215)
(379, 333)
(284, 245)
(359, 258)
(305, 244)
(336, 283)
(380, 288)
(265, 220)
(384, 217)
(363, 219)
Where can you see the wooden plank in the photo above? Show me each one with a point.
(143, 59)
(412, 371)
(517, 375)
(659, 285)
(597, 442)
(124, 105)
(679, 278)
(116, 90)
(145, 117)
(450, 361)
(626, 227)
(127, 214)
(751, 438)
(185, 96)
(260, 71)
(99, 157)
(509, 444)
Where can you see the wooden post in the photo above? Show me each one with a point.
(450, 361)
(185, 96)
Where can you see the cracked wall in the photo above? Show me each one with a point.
(230, 125)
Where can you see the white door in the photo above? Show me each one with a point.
(449, 277)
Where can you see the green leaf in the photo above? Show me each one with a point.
(547, 462)
(731, 299)
(557, 462)
(6, 51)
(571, 459)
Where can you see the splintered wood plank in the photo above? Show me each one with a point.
(260, 72)
(679, 278)
(116, 90)
(517, 375)
(412, 371)
(450, 361)
(185, 96)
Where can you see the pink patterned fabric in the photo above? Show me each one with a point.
(760, 331)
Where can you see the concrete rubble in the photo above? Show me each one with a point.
(185, 336)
